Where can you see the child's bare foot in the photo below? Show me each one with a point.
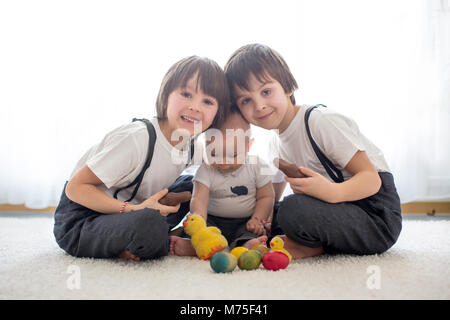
(299, 251)
(127, 255)
(253, 242)
(181, 247)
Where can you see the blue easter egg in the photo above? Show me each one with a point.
(223, 262)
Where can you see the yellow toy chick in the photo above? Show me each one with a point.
(277, 244)
(206, 240)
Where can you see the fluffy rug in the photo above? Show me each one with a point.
(34, 267)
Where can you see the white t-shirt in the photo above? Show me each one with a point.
(336, 135)
(233, 194)
(119, 158)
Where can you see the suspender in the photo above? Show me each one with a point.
(331, 169)
(151, 147)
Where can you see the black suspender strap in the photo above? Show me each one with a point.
(191, 151)
(331, 169)
(151, 146)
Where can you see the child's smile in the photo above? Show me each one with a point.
(190, 120)
(265, 104)
(189, 109)
(266, 116)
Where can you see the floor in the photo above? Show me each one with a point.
(34, 267)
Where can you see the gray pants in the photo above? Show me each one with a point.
(368, 226)
(82, 232)
(233, 229)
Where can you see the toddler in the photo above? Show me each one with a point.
(232, 191)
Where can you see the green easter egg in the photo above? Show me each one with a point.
(223, 262)
(261, 248)
(250, 260)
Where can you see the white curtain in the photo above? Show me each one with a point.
(70, 71)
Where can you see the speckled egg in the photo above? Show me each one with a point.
(222, 262)
(250, 260)
(261, 248)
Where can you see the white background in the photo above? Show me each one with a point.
(70, 71)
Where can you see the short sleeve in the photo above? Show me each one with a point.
(278, 177)
(337, 136)
(115, 159)
(273, 151)
(262, 173)
(203, 175)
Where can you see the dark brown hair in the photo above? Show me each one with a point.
(262, 62)
(210, 79)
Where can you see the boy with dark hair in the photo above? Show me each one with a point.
(347, 202)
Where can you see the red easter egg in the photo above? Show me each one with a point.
(275, 260)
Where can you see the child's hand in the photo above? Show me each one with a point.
(314, 185)
(153, 203)
(254, 225)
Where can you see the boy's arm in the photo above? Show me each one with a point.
(279, 189)
(365, 180)
(200, 199)
(265, 198)
(82, 189)
(364, 183)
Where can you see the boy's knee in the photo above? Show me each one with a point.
(296, 212)
(149, 220)
(150, 235)
(380, 247)
(290, 208)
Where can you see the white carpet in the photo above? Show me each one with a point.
(32, 266)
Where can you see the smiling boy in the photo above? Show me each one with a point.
(347, 202)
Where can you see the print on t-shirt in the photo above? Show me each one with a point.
(239, 190)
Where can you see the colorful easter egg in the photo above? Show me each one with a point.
(223, 262)
(261, 248)
(250, 260)
(275, 260)
(237, 251)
